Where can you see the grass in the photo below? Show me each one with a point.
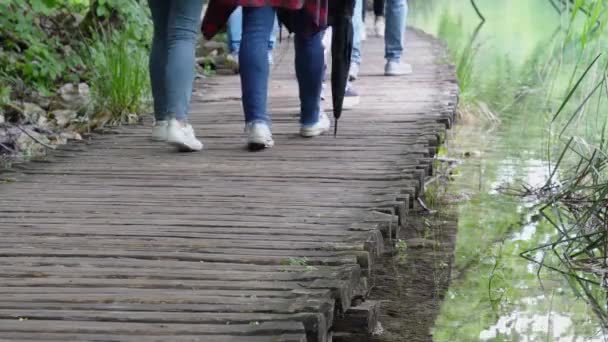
(120, 82)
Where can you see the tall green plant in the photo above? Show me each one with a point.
(120, 81)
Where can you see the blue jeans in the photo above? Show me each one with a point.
(235, 31)
(394, 36)
(176, 26)
(396, 21)
(358, 27)
(258, 22)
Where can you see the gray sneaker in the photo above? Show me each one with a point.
(396, 68)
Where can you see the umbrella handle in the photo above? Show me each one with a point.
(335, 128)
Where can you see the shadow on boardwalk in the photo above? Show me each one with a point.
(121, 239)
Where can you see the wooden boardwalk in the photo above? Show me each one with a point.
(120, 239)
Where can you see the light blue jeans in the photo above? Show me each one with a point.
(358, 27)
(176, 26)
(235, 31)
(394, 36)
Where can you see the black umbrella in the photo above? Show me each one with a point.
(341, 19)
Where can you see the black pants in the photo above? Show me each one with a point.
(379, 8)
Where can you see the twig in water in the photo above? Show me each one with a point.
(483, 19)
(555, 6)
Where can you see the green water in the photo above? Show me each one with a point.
(495, 294)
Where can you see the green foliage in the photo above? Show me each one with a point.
(44, 42)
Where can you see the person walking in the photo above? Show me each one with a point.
(307, 18)
(394, 39)
(379, 24)
(235, 34)
(176, 26)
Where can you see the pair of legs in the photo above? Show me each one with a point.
(258, 23)
(235, 32)
(378, 9)
(257, 26)
(172, 60)
(396, 16)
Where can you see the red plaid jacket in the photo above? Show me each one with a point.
(219, 11)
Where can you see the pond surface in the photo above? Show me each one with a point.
(493, 294)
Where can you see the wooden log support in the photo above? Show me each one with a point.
(361, 319)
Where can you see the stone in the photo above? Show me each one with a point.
(32, 112)
(43, 122)
(63, 117)
(29, 147)
(2, 120)
(74, 97)
(132, 118)
(70, 136)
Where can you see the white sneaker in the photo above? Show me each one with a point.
(353, 72)
(259, 136)
(379, 26)
(159, 130)
(396, 68)
(363, 34)
(323, 86)
(322, 126)
(351, 97)
(181, 135)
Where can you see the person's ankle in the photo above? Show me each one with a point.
(181, 122)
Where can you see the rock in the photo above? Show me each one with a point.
(74, 97)
(2, 120)
(43, 122)
(84, 89)
(32, 112)
(40, 100)
(132, 118)
(63, 117)
(70, 136)
(29, 147)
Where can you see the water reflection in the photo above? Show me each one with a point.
(495, 294)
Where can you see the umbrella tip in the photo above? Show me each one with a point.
(336, 129)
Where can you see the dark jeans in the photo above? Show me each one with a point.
(379, 8)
